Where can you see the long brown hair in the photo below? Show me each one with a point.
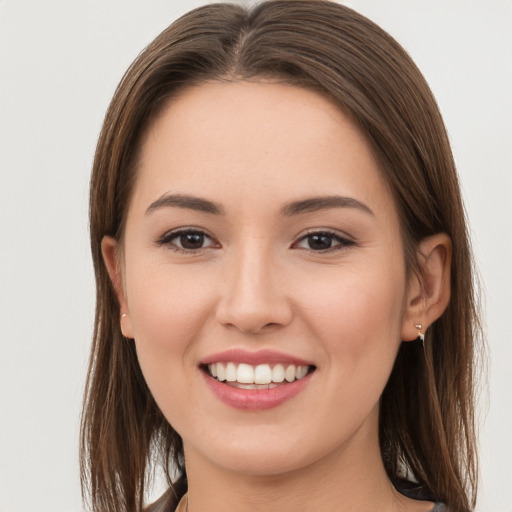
(427, 408)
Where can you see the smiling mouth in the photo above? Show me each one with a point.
(261, 376)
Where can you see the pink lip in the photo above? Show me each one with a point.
(254, 358)
(255, 399)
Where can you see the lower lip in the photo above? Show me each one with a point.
(255, 399)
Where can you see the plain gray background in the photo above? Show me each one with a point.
(59, 64)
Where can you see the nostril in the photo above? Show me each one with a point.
(257, 329)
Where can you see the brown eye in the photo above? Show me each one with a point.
(191, 241)
(320, 241)
(187, 240)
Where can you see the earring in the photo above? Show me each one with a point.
(421, 334)
(122, 317)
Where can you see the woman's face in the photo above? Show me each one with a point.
(262, 246)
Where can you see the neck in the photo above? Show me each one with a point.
(351, 478)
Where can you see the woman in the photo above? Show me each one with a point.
(285, 313)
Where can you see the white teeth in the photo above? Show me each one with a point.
(259, 375)
(302, 371)
(262, 374)
(289, 373)
(245, 374)
(231, 373)
(278, 373)
(221, 372)
(254, 386)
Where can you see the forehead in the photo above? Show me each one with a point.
(246, 140)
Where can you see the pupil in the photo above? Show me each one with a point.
(320, 242)
(192, 240)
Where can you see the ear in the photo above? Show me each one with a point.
(113, 264)
(428, 294)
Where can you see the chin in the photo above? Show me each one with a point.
(259, 462)
(269, 450)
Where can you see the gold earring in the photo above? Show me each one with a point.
(421, 334)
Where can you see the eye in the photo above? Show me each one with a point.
(187, 240)
(323, 241)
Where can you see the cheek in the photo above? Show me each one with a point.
(169, 309)
(361, 300)
(356, 319)
(166, 302)
(357, 315)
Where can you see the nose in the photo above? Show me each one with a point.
(254, 294)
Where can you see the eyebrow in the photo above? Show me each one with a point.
(309, 205)
(184, 201)
(315, 204)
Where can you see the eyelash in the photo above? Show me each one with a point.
(343, 241)
(167, 240)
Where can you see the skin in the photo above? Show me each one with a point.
(258, 283)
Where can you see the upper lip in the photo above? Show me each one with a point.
(237, 355)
